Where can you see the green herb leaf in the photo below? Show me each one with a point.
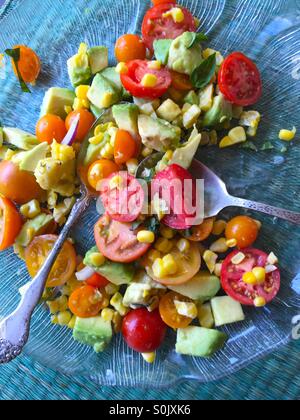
(284, 149)
(250, 146)
(203, 74)
(136, 225)
(15, 55)
(267, 146)
(198, 37)
(152, 224)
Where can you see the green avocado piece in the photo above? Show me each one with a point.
(19, 138)
(55, 101)
(94, 332)
(103, 93)
(96, 111)
(32, 228)
(98, 59)
(79, 69)
(161, 50)
(31, 158)
(192, 98)
(182, 58)
(220, 112)
(226, 310)
(93, 150)
(114, 272)
(183, 156)
(158, 134)
(112, 76)
(199, 342)
(201, 288)
(126, 117)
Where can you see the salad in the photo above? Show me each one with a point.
(168, 96)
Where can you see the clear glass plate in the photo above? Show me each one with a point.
(268, 31)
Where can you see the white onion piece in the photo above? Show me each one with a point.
(84, 274)
(71, 134)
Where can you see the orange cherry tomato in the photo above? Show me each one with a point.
(168, 312)
(100, 170)
(49, 128)
(181, 82)
(64, 267)
(29, 64)
(203, 231)
(19, 186)
(86, 121)
(244, 229)
(125, 147)
(87, 301)
(10, 223)
(157, 2)
(130, 47)
(96, 280)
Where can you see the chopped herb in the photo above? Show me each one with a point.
(250, 146)
(267, 146)
(284, 149)
(198, 37)
(187, 233)
(15, 55)
(152, 224)
(203, 74)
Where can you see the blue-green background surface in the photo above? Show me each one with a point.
(276, 377)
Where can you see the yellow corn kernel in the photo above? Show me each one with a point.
(260, 274)
(167, 232)
(238, 258)
(287, 135)
(82, 91)
(106, 100)
(149, 357)
(97, 259)
(53, 307)
(107, 152)
(132, 165)
(250, 119)
(78, 104)
(272, 259)
(64, 318)
(188, 309)
(149, 80)
(163, 245)
(168, 155)
(226, 142)
(186, 107)
(68, 109)
(146, 237)
(219, 246)
(210, 259)
(62, 302)
(219, 227)
(122, 68)
(117, 302)
(158, 268)
(206, 98)
(54, 319)
(249, 278)
(111, 289)
(176, 14)
(62, 152)
(191, 116)
(238, 135)
(218, 269)
(153, 255)
(107, 314)
(183, 245)
(117, 322)
(231, 243)
(146, 152)
(72, 323)
(170, 265)
(260, 302)
(154, 65)
(116, 182)
(30, 210)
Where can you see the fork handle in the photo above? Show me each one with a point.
(288, 215)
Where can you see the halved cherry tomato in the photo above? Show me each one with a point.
(96, 280)
(143, 331)
(130, 47)
(168, 312)
(244, 229)
(188, 266)
(10, 223)
(29, 64)
(155, 26)
(64, 267)
(157, 2)
(203, 231)
(232, 278)
(125, 147)
(117, 242)
(180, 196)
(87, 301)
(86, 121)
(100, 170)
(180, 81)
(123, 203)
(49, 128)
(137, 69)
(19, 186)
(240, 80)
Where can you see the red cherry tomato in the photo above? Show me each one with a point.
(96, 280)
(144, 331)
(157, 2)
(86, 121)
(155, 26)
(240, 80)
(137, 69)
(232, 278)
(10, 223)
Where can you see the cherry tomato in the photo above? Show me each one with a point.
(19, 186)
(125, 147)
(64, 267)
(168, 311)
(123, 203)
(244, 229)
(143, 331)
(117, 242)
(29, 64)
(171, 186)
(232, 278)
(49, 128)
(100, 170)
(181, 82)
(203, 231)
(130, 47)
(137, 69)
(86, 121)
(155, 26)
(87, 301)
(157, 2)
(96, 280)
(10, 223)
(240, 80)
(188, 266)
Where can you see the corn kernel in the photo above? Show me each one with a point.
(219, 227)
(287, 135)
(188, 309)
(159, 207)
(116, 182)
(153, 255)
(62, 302)
(272, 259)
(30, 210)
(64, 318)
(238, 135)
(149, 80)
(146, 237)
(210, 259)
(158, 268)
(206, 98)
(117, 302)
(260, 274)
(106, 100)
(176, 14)
(163, 245)
(149, 357)
(111, 289)
(183, 245)
(117, 322)
(68, 109)
(132, 165)
(146, 152)
(170, 265)
(260, 302)
(72, 323)
(191, 116)
(82, 91)
(231, 243)
(122, 68)
(154, 65)
(97, 259)
(249, 278)
(53, 307)
(78, 104)
(107, 152)
(219, 246)
(107, 314)
(54, 319)
(226, 142)
(218, 269)
(168, 155)
(238, 258)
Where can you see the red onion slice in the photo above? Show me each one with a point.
(71, 134)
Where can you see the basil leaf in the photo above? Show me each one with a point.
(15, 55)
(153, 225)
(197, 37)
(267, 146)
(203, 74)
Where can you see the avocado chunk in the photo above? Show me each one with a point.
(161, 50)
(103, 93)
(94, 332)
(98, 59)
(55, 101)
(126, 117)
(226, 311)
(192, 98)
(199, 342)
(116, 273)
(19, 138)
(112, 76)
(30, 159)
(201, 288)
(220, 112)
(32, 228)
(96, 111)
(205, 316)
(182, 58)
(79, 69)
(158, 134)
(183, 156)
(93, 150)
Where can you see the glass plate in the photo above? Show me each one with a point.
(268, 31)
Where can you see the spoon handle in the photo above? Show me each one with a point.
(288, 215)
(14, 330)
